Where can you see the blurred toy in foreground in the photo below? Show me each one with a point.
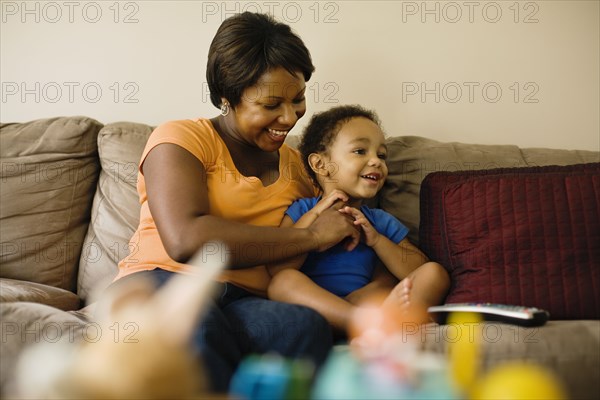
(378, 328)
(512, 380)
(464, 351)
(384, 359)
(271, 376)
(151, 358)
(519, 381)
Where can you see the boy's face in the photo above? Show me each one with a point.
(355, 162)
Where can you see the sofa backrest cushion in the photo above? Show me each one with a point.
(49, 172)
(116, 208)
(431, 208)
(528, 236)
(411, 158)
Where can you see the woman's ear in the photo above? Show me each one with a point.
(318, 164)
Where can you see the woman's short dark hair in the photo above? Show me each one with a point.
(323, 128)
(245, 47)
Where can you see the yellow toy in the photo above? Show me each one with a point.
(518, 380)
(514, 380)
(465, 331)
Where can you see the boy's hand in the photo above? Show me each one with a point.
(371, 236)
(332, 227)
(330, 200)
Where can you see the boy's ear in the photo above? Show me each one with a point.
(318, 164)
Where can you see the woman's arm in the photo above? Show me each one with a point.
(334, 200)
(178, 201)
(291, 262)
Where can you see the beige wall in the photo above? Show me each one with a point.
(523, 72)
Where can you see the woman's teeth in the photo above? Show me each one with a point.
(277, 133)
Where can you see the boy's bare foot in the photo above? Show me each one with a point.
(400, 295)
(410, 308)
(375, 326)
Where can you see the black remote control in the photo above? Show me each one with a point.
(510, 314)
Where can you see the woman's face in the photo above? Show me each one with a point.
(269, 109)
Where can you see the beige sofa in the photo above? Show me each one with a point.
(69, 207)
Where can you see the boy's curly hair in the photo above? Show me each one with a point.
(323, 128)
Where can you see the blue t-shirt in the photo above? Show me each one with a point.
(337, 270)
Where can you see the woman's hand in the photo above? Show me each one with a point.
(331, 227)
(371, 236)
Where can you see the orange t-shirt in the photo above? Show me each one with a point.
(231, 195)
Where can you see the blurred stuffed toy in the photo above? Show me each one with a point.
(143, 350)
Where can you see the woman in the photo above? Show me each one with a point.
(229, 180)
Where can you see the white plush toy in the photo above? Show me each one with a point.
(150, 359)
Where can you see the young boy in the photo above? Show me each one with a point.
(344, 152)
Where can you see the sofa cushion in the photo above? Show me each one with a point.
(26, 324)
(411, 158)
(521, 236)
(116, 208)
(431, 208)
(13, 290)
(49, 169)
